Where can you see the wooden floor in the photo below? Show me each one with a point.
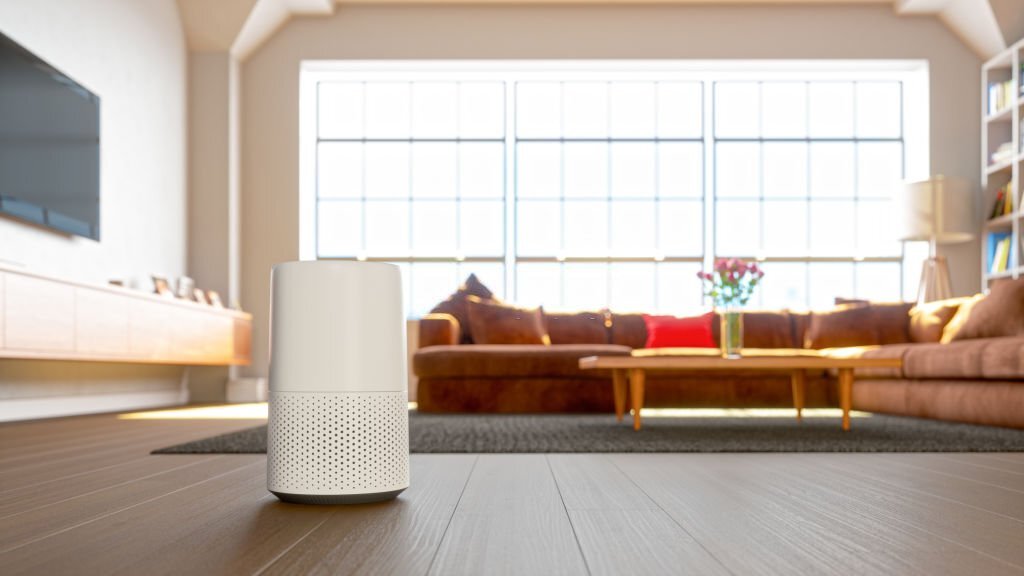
(83, 496)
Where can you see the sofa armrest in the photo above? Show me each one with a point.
(438, 330)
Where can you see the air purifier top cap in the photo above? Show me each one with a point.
(337, 327)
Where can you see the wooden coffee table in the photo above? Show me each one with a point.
(793, 361)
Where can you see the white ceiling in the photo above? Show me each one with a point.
(241, 26)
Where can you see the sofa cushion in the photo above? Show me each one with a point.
(455, 304)
(958, 320)
(1000, 313)
(577, 327)
(927, 321)
(859, 325)
(670, 331)
(887, 351)
(984, 358)
(511, 361)
(495, 323)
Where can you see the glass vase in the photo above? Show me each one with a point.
(731, 333)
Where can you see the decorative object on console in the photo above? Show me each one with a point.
(199, 296)
(214, 299)
(941, 211)
(162, 287)
(492, 322)
(338, 429)
(672, 332)
(185, 288)
(730, 287)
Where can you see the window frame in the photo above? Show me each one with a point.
(912, 74)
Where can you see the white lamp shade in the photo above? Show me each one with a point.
(939, 209)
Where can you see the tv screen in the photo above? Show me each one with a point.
(49, 145)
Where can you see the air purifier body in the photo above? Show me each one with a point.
(338, 430)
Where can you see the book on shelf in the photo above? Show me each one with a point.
(1000, 252)
(1000, 96)
(1004, 202)
(1003, 153)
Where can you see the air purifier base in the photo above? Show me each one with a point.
(338, 498)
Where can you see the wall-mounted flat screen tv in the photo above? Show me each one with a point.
(49, 145)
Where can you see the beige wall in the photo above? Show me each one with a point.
(132, 54)
(208, 170)
(270, 80)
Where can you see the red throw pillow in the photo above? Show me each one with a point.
(672, 332)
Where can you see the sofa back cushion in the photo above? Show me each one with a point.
(859, 325)
(998, 314)
(763, 329)
(927, 321)
(628, 330)
(455, 305)
(495, 323)
(578, 327)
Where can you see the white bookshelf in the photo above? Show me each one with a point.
(999, 126)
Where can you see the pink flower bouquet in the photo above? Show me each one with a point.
(732, 283)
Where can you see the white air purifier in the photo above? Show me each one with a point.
(339, 422)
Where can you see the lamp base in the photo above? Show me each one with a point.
(935, 283)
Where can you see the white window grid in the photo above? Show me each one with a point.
(509, 261)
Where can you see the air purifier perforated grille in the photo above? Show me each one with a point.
(336, 443)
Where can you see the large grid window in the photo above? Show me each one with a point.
(599, 189)
(804, 176)
(608, 176)
(414, 173)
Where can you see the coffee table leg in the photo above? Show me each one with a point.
(619, 386)
(846, 394)
(636, 387)
(799, 380)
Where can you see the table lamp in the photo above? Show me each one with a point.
(939, 210)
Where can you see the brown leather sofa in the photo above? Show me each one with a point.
(978, 381)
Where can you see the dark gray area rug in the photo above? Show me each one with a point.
(453, 433)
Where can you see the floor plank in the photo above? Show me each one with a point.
(362, 539)
(965, 470)
(61, 491)
(120, 447)
(760, 523)
(620, 529)
(225, 524)
(947, 488)
(21, 529)
(83, 495)
(510, 520)
(841, 489)
(1007, 462)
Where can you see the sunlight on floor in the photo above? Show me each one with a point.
(258, 411)
(746, 413)
(255, 411)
